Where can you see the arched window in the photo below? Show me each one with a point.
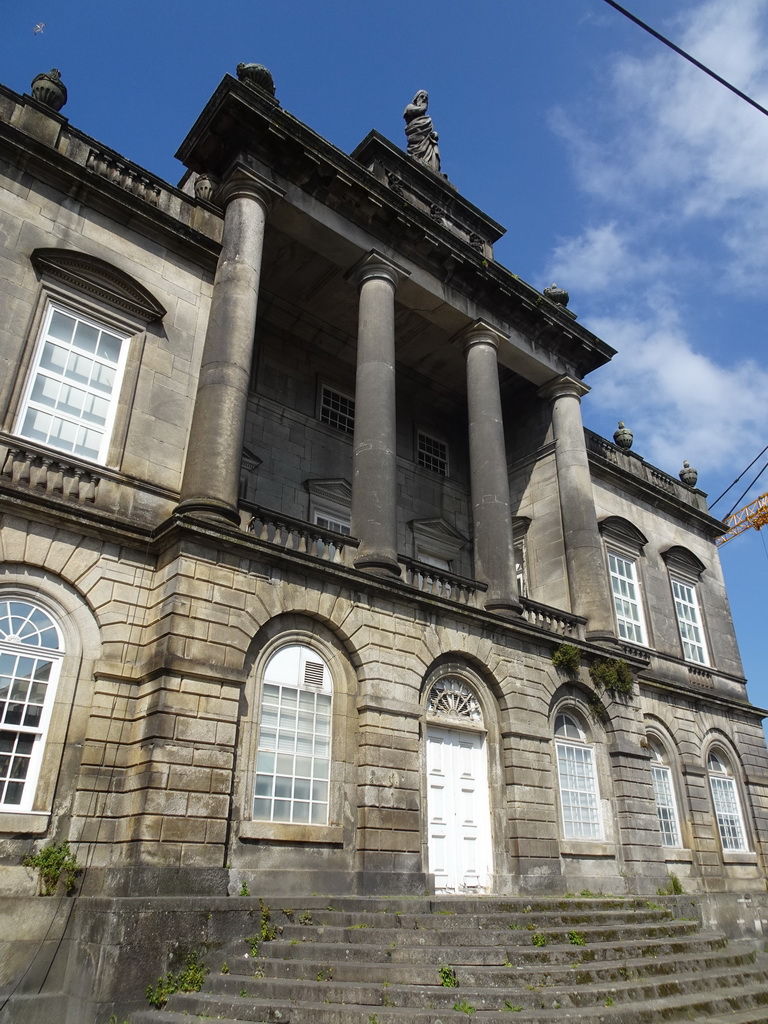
(725, 799)
(294, 747)
(31, 650)
(664, 792)
(579, 798)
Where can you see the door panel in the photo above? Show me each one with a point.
(458, 810)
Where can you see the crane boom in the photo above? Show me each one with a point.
(753, 515)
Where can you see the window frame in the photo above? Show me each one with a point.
(420, 452)
(332, 389)
(679, 579)
(263, 752)
(726, 779)
(40, 733)
(660, 768)
(568, 746)
(639, 623)
(37, 372)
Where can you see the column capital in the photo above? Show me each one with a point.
(564, 387)
(240, 181)
(376, 265)
(481, 333)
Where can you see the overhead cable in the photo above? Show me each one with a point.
(687, 56)
(741, 474)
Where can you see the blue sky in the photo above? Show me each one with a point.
(620, 172)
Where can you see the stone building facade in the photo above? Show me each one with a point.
(297, 506)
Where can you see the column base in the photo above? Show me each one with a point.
(503, 606)
(379, 565)
(602, 636)
(210, 510)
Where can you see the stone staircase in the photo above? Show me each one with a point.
(355, 960)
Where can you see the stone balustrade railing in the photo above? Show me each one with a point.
(50, 474)
(638, 467)
(552, 619)
(442, 583)
(298, 535)
(127, 175)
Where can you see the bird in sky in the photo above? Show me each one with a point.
(38, 29)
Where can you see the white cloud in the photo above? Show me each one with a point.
(683, 404)
(675, 171)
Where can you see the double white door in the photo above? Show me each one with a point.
(459, 810)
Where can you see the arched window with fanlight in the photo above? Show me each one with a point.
(31, 651)
(294, 746)
(725, 800)
(579, 796)
(664, 794)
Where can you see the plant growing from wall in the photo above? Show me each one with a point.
(189, 979)
(567, 658)
(612, 675)
(51, 863)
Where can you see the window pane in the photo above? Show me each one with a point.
(629, 616)
(76, 375)
(665, 805)
(578, 792)
(299, 781)
(728, 813)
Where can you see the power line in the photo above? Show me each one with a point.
(687, 56)
(751, 485)
(741, 474)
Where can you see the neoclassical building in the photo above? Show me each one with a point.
(312, 578)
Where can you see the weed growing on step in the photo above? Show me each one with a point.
(673, 887)
(288, 913)
(587, 894)
(189, 979)
(113, 1020)
(268, 930)
(577, 938)
(325, 974)
(448, 977)
(609, 1001)
(387, 1001)
(515, 1008)
(539, 939)
(373, 1019)
(356, 927)
(52, 862)
(244, 993)
(305, 918)
(225, 968)
(464, 1007)
(244, 890)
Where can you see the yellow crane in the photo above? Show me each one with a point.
(753, 515)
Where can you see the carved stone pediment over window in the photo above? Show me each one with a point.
(92, 276)
(436, 537)
(684, 561)
(330, 503)
(453, 700)
(621, 531)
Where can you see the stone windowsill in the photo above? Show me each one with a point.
(318, 834)
(739, 857)
(677, 856)
(30, 823)
(586, 848)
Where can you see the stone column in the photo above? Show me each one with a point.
(587, 573)
(212, 468)
(374, 473)
(493, 542)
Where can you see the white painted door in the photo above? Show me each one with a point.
(459, 810)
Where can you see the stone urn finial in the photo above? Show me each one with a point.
(48, 88)
(256, 74)
(688, 475)
(205, 186)
(623, 437)
(557, 295)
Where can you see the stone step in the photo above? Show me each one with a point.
(515, 954)
(289, 918)
(492, 975)
(444, 935)
(326, 987)
(689, 1006)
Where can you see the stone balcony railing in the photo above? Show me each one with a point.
(129, 176)
(297, 535)
(635, 465)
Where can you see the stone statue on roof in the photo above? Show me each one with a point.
(420, 132)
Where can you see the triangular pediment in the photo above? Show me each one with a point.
(336, 490)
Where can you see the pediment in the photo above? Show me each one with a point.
(680, 558)
(100, 280)
(336, 490)
(621, 530)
